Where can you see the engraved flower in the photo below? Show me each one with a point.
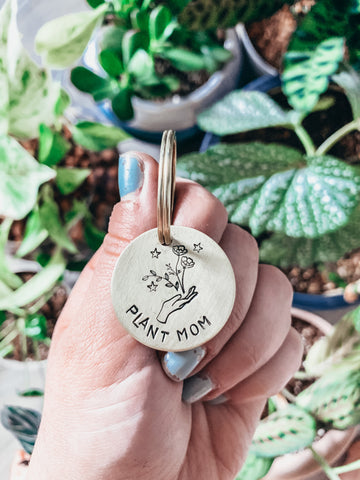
(187, 262)
(179, 250)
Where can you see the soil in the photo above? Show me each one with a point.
(51, 310)
(309, 335)
(101, 191)
(320, 125)
(271, 36)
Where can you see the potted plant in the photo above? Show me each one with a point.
(288, 199)
(45, 197)
(317, 426)
(293, 36)
(148, 51)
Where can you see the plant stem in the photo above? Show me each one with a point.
(338, 135)
(36, 349)
(348, 468)
(289, 396)
(305, 139)
(331, 474)
(8, 339)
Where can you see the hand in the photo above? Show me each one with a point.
(177, 302)
(111, 412)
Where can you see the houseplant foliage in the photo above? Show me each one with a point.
(307, 202)
(332, 401)
(317, 48)
(32, 106)
(138, 34)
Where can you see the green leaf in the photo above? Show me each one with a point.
(160, 17)
(122, 106)
(132, 41)
(240, 111)
(37, 286)
(50, 218)
(280, 197)
(93, 236)
(355, 7)
(334, 398)
(184, 60)
(284, 431)
(5, 15)
(139, 19)
(28, 93)
(284, 251)
(142, 67)
(350, 81)
(254, 467)
(306, 73)
(20, 178)
(52, 146)
(111, 38)
(95, 3)
(35, 326)
(62, 103)
(97, 137)
(111, 63)
(34, 235)
(69, 179)
(62, 41)
(355, 316)
(97, 86)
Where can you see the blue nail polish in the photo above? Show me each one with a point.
(179, 365)
(196, 388)
(131, 174)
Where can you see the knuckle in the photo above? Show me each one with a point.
(275, 284)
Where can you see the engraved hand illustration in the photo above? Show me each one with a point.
(177, 302)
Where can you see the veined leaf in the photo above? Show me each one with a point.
(254, 467)
(306, 73)
(20, 178)
(96, 136)
(69, 179)
(240, 111)
(28, 93)
(52, 146)
(50, 218)
(264, 186)
(23, 423)
(35, 234)
(284, 251)
(284, 431)
(62, 41)
(34, 288)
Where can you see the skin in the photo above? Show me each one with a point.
(111, 412)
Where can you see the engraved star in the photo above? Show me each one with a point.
(198, 247)
(152, 287)
(155, 253)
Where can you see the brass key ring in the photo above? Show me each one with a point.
(166, 186)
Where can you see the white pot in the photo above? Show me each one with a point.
(332, 446)
(259, 66)
(178, 113)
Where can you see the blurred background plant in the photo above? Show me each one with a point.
(39, 191)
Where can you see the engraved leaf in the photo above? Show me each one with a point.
(166, 276)
(152, 272)
(177, 285)
(169, 285)
(145, 278)
(158, 279)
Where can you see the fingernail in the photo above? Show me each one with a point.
(131, 174)
(179, 365)
(195, 388)
(218, 400)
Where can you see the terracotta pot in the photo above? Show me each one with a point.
(19, 466)
(301, 465)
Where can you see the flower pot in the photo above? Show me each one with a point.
(257, 64)
(178, 113)
(332, 446)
